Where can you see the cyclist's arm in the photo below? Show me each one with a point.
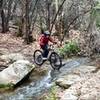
(41, 40)
(51, 40)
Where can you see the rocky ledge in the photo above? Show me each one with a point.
(18, 68)
(83, 83)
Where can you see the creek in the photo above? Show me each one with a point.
(37, 84)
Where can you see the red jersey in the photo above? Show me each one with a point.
(43, 40)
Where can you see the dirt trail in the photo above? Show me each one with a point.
(12, 44)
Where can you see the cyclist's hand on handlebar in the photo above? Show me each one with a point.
(58, 44)
(55, 42)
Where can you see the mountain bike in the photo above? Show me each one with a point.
(53, 57)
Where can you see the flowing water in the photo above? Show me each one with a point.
(38, 85)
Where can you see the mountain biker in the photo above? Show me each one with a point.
(43, 42)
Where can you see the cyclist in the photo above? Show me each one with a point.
(43, 42)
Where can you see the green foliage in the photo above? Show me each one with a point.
(52, 95)
(6, 86)
(69, 49)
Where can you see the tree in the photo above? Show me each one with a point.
(26, 25)
(6, 14)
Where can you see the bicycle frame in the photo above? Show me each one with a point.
(51, 49)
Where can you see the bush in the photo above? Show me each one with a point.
(6, 86)
(69, 49)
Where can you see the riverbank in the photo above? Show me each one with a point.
(82, 83)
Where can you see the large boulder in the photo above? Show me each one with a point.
(15, 72)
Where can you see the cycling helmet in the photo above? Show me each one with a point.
(47, 33)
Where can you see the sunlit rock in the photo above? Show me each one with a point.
(84, 69)
(87, 88)
(16, 72)
(69, 95)
(68, 80)
(93, 95)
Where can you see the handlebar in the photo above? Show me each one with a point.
(52, 46)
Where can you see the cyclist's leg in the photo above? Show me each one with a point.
(45, 51)
(43, 54)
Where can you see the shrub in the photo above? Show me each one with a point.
(69, 49)
(6, 86)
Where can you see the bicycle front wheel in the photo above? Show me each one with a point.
(55, 61)
(37, 56)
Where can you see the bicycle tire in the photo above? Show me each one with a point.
(35, 60)
(52, 61)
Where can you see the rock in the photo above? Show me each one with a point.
(15, 72)
(67, 81)
(90, 83)
(88, 88)
(69, 95)
(10, 58)
(3, 51)
(63, 83)
(98, 73)
(85, 87)
(84, 69)
(93, 95)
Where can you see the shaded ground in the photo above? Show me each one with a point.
(12, 44)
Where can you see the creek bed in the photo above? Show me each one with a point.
(38, 83)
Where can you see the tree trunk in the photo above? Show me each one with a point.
(2, 16)
(8, 15)
(56, 6)
(21, 27)
(3, 21)
(5, 25)
(57, 14)
(28, 36)
(1, 3)
(48, 15)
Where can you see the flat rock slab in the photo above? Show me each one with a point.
(87, 88)
(16, 72)
(84, 69)
(68, 80)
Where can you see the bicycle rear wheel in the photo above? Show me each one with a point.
(55, 61)
(38, 58)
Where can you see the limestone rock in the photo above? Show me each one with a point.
(15, 72)
(69, 95)
(67, 81)
(88, 88)
(93, 95)
(84, 69)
